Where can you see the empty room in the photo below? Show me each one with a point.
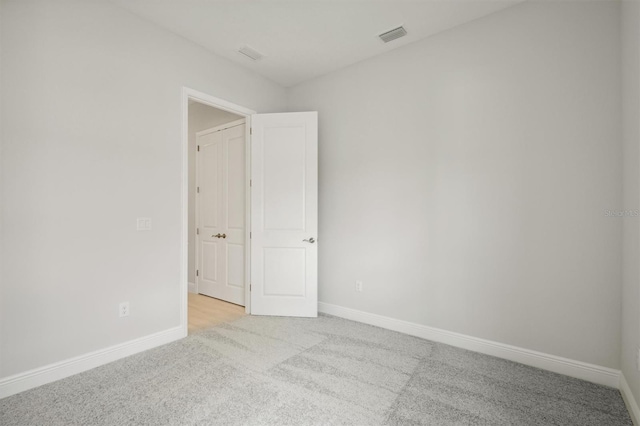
(319, 212)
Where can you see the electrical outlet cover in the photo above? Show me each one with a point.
(123, 309)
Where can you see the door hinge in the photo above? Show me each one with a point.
(198, 147)
(197, 273)
(250, 130)
(249, 287)
(249, 235)
(197, 231)
(250, 182)
(198, 189)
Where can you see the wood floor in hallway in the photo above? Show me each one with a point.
(205, 312)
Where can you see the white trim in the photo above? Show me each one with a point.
(221, 127)
(52, 372)
(247, 219)
(193, 288)
(629, 400)
(218, 103)
(184, 216)
(222, 104)
(581, 370)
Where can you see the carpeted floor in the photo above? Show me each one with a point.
(324, 371)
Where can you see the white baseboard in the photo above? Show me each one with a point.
(629, 400)
(581, 370)
(52, 372)
(193, 288)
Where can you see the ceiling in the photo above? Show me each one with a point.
(303, 39)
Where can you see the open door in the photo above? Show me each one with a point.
(284, 214)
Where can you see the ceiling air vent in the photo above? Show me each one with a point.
(393, 34)
(250, 53)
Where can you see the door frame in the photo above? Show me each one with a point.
(203, 98)
(204, 132)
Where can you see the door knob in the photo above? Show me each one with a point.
(219, 235)
(310, 240)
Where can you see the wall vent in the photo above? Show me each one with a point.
(250, 53)
(393, 34)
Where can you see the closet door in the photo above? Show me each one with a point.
(234, 215)
(221, 214)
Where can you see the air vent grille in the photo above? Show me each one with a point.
(393, 34)
(251, 53)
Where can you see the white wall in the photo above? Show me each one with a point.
(91, 101)
(201, 117)
(465, 178)
(631, 184)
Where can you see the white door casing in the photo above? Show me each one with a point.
(284, 214)
(220, 219)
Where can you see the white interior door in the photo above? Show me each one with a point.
(221, 213)
(284, 214)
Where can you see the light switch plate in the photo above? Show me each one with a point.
(143, 224)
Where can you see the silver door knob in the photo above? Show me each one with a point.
(310, 240)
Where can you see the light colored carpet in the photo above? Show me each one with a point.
(324, 371)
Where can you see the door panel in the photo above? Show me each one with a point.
(236, 183)
(211, 153)
(210, 267)
(284, 214)
(235, 256)
(284, 270)
(284, 178)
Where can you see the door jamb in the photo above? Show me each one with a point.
(188, 93)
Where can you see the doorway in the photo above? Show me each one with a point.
(280, 206)
(217, 256)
